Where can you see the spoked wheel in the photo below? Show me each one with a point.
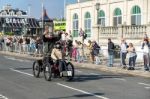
(47, 71)
(36, 69)
(70, 71)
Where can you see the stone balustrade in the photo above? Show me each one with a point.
(129, 32)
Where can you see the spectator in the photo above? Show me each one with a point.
(146, 56)
(81, 34)
(111, 48)
(79, 53)
(132, 56)
(123, 53)
(74, 52)
(89, 50)
(24, 45)
(95, 52)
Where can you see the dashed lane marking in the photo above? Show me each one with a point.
(3, 97)
(121, 79)
(144, 84)
(94, 74)
(78, 71)
(20, 60)
(147, 87)
(21, 72)
(82, 91)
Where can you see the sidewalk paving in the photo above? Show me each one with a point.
(116, 69)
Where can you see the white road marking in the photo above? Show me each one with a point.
(21, 72)
(20, 60)
(3, 97)
(78, 71)
(147, 87)
(82, 91)
(121, 79)
(144, 84)
(94, 74)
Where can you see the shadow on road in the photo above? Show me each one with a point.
(84, 78)
(22, 68)
(78, 96)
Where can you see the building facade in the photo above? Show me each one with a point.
(89, 14)
(17, 22)
(115, 19)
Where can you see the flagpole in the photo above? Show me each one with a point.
(42, 4)
(64, 8)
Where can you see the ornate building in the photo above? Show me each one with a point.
(16, 21)
(115, 19)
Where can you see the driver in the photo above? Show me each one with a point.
(57, 56)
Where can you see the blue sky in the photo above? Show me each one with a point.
(55, 8)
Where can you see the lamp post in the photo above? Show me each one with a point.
(97, 6)
(3, 28)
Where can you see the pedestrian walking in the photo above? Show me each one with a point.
(111, 48)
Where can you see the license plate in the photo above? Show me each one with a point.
(47, 69)
(69, 73)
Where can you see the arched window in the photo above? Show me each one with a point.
(117, 19)
(136, 15)
(87, 24)
(101, 18)
(75, 25)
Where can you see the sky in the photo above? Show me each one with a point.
(55, 8)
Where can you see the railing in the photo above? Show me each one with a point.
(108, 32)
(134, 32)
(129, 32)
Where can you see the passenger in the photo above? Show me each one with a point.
(57, 56)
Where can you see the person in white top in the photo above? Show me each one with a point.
(63, 36)
(123, 52)
(146, 56)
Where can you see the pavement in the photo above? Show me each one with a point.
(139, 71)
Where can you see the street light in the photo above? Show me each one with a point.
(97, 6)
(4, 28)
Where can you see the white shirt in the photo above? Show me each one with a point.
(123, 48)
(63, 37)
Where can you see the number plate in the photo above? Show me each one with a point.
(47, 69)
(69, 73)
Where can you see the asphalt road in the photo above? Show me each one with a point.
(17, 82)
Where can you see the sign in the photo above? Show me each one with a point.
(16, 20)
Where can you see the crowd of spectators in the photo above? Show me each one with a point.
(78, 51)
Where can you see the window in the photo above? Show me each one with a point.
(101, 18)
(75, 25)
(136, 15)
(87, 24)
(117, 19)
(11, 13)
(4, 13)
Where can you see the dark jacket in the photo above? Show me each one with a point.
(96, 49)
(111, 48)
(51, 41)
